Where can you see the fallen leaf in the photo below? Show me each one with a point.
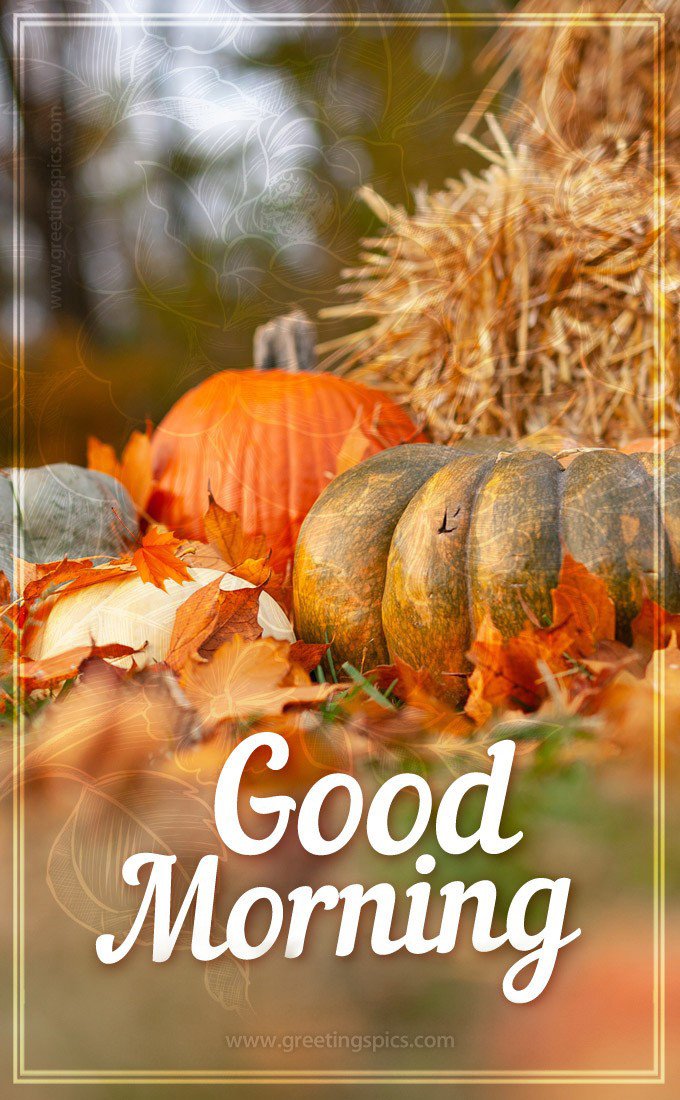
(437, 716)
(134, 470)
(224, 531)
(401, 678)
(513, 673)
(156, 559)
(48, 673)
(237, 613)
(194, 623)
(5, 590)
(108, 723)
(102, 457)
(247, 678)
(355, 446)
(208, 618)
(33, 581)
(629, 707)
(45, 579)
(308, 654)
(582, 602)
(653, 627)
(256, 570)
(506, 671)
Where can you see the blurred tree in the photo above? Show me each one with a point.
(185, 179)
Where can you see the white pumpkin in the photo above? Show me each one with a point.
(133, 613)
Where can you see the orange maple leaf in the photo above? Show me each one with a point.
(134, 469)
(156, 559)
(5, 590)
(582, 604)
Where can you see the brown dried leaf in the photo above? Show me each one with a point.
(5, 590)
(308, 654)
(236, 614)
(208, 618)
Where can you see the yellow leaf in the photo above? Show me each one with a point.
(256, 570)
(355, 447)
(134, 469)
(224, 531)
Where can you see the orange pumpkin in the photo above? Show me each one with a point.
(267, 443)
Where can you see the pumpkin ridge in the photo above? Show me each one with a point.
(618, 547)
(345, 540)
(667, 591)
(468, 549)
(415, 600)
(664, 469)
(389, 550)
(515, 554)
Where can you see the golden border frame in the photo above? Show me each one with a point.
(656, 1075)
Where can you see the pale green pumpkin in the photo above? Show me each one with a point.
(51, 512)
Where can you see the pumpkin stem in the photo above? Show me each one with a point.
(286, 343)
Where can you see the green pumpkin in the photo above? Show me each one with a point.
(404, 554)
(62, 511)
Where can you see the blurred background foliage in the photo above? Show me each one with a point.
(185, 181)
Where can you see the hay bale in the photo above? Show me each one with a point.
(526, 296)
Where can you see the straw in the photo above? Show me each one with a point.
(525, 296)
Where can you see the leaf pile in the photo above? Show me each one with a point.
(226, 678)
(212, 626)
